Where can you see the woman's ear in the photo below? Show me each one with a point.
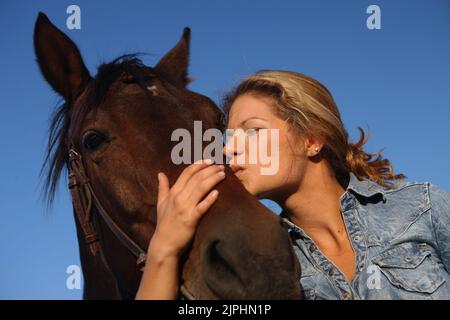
(313, 146)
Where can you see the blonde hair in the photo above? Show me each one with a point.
(309, 109)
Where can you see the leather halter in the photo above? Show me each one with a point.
(83, 197)
(84, 201)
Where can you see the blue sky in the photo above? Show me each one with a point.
(395, 80)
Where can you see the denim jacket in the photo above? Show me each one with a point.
(401, 240)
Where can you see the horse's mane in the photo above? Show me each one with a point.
(57, 151)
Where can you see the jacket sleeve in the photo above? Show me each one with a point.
(440, 215)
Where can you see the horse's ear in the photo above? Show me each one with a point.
(174, 65)
(59, 59)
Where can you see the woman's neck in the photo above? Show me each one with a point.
(315, 207)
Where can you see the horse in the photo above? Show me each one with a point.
(112, 135)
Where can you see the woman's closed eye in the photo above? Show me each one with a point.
(252, 131)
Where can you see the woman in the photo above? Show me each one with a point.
(359, 230)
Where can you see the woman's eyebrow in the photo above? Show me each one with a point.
(251, 118)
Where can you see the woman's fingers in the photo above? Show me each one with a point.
(163, 187)
(204, 181)
(181, 210)
(205, 204)
(188, 172)
(199, 184)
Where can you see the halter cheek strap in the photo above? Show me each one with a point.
(84, 198)
(82, 201)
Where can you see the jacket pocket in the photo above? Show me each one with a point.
(410, 266)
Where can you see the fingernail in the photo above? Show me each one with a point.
(221, 173)
(214, 193)
(208, 161)
(159, 178)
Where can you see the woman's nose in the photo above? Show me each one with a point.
(232, 146)
(228, 151)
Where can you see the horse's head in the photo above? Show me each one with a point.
(120, 122)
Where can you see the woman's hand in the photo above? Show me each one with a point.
(179, 210)
(181, 207)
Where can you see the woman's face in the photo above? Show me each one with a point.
(269, 166)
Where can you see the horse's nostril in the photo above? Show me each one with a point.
(220, 269)
(218, 258)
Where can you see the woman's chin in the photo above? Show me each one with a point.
(246, 185)
(242, 176)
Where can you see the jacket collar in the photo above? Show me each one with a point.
(365, 187)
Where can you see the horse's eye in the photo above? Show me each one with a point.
(93, 140)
